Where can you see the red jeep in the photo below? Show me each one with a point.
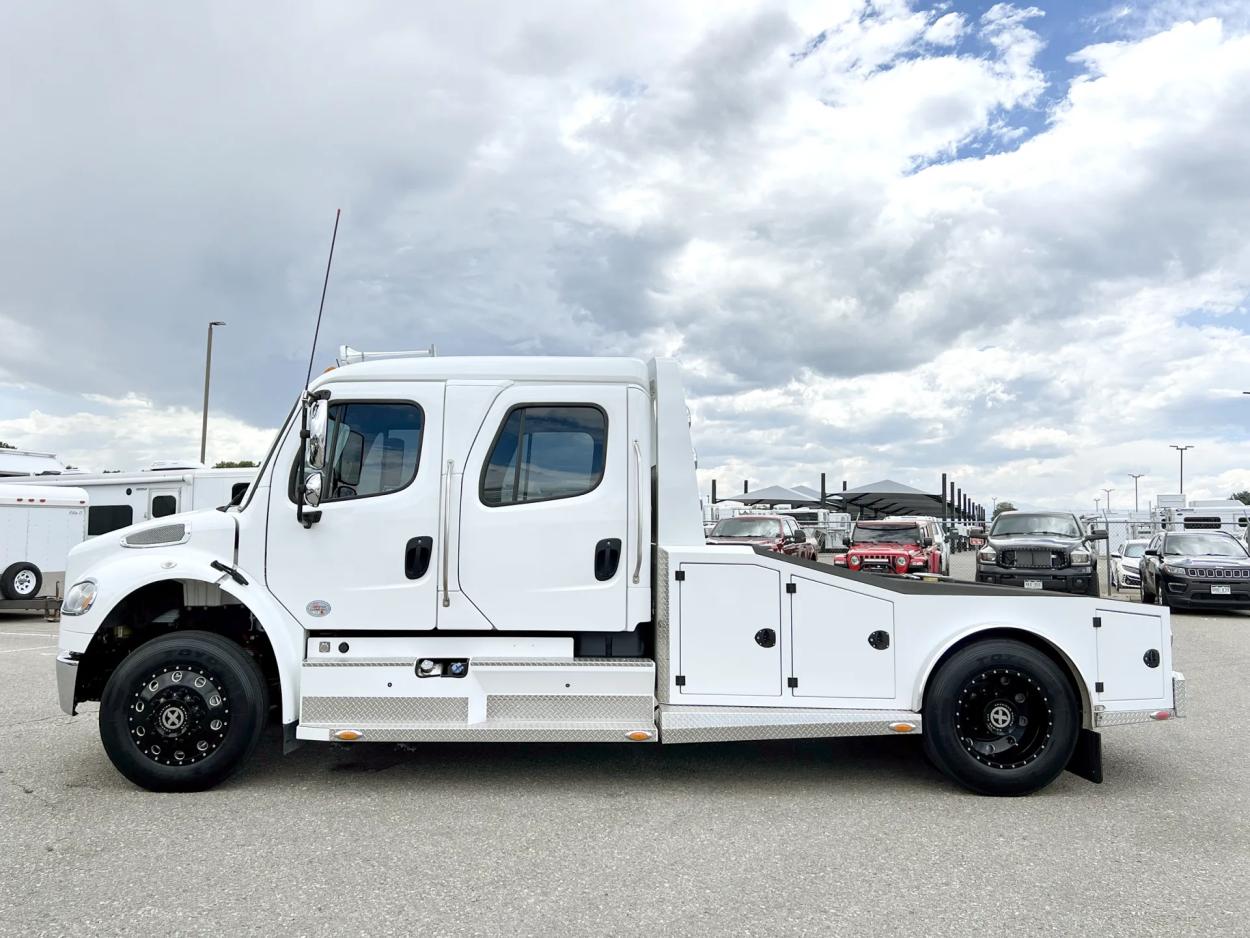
(777, 533)
(891, 547)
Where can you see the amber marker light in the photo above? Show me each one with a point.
(902, 727)
(639, 736)
(349, 736)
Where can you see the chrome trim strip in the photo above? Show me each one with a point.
(447, 536)
(638, 511)
(697, 724)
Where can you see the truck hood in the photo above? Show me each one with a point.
(209, 530)
(1035, 542)
(884, 547)
(748, 541)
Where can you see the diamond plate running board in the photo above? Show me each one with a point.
(680, 724)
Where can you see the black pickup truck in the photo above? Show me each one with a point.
(1041, 550)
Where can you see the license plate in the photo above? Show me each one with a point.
(1032, 584)
(1221, 591)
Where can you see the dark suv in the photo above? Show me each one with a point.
(1040, 550)
(1196, 568)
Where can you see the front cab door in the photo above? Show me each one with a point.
(369, 562)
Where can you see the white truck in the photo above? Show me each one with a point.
(511, 549)
(38, 526)
(120, 499)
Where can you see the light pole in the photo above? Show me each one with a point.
(208, 368)
(1135, 476)
(1097, 505)
(1181, 449)
(1108, 491)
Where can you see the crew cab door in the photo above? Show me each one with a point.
(368, 563)
(543, 532)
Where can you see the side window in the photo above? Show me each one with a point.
(164, 505)
(545, 452)
(104, 518)
(374, 449)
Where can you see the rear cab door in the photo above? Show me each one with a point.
(544, 535)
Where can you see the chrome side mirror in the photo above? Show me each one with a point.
(312, 490)
(318, 421)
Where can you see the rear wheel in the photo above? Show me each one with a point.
(183, 712)
(1001, 718)
(21, 581)
(1146, 595)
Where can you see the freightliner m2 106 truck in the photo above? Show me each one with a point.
(511, 549)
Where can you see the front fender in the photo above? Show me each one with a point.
(120, 575)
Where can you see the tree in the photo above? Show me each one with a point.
(1242, 496)
(4, 445)
(1001, 507)
(236, 464)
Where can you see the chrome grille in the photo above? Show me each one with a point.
(1033, 559)
(1219, 573)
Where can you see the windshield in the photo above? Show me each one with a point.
(1202, 545)
(1057, 525)
(1133, 550)
(910, 534)
(747, 527)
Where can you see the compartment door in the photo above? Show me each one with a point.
(842, 642)
(727, 614)
(1123, 642)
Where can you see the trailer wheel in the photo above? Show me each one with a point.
(1001, 718)
(183, 712)
(21, 581)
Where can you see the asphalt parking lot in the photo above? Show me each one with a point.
(811, 837)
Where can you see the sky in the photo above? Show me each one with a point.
(885, 239)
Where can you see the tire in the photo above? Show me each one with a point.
(1094, 588)
(171, 738)
(975, 704)
(21, 580)
(1147, 597)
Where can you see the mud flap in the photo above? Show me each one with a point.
(289, 742)
(1086, 758)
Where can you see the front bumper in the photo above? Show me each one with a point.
(1179, 710)
(1070, 580)
(67, 679)
(1198, 593)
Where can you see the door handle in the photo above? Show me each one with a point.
(607, 558)
(417, 557)
(638, 502)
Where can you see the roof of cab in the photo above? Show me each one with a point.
(496, 368)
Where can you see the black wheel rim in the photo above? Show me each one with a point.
(178, 714)
(1004, 718)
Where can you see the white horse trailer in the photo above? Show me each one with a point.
(511, 550)
(39, 524)
(120, 499)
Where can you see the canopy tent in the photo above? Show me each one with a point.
(775, 495)
(888, 497)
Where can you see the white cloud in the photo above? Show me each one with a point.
(874, 254)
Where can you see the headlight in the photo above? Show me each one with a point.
(987, 555)
(1173, 570)
(79, 598)
(1079, 557)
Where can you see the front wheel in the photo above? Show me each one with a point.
(1001, 718)
(183, 712)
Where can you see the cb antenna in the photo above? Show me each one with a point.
(324, 286)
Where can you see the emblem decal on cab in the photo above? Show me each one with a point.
(318, 608)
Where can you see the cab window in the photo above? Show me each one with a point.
(545, 452)
(374, 449)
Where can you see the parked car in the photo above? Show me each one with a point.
(1039, 550)
(892, 547)
(1196, 568)
(778, 533)
(1124, 563)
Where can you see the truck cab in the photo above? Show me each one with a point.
(512, 549)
